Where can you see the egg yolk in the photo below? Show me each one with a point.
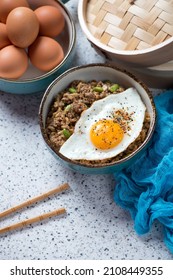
(106, 134)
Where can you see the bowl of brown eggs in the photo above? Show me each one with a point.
(37, 44)
(97, 118)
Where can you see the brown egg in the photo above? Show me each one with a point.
(45, 53)
(6, 6)
(51, 21)
(4, 41)
(22, 27)
(13, 62)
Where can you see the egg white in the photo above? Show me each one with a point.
(79, 145)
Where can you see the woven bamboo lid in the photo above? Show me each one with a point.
(130, 25)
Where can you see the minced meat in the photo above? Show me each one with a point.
(68, 106)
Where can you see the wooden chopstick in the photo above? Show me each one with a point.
(24, 223)
(29, 202)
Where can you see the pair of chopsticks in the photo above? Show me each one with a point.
(29, 202)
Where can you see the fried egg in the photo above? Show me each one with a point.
(107, 128)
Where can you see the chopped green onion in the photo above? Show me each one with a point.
(98, 89)
(66, 133)
(68, 107)
(114, 87)
(72, 90)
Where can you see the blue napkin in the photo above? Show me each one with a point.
(146, 188)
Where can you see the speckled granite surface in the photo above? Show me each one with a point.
(94, 227)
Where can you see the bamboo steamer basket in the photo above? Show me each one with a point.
(135, 32)
(160, 76)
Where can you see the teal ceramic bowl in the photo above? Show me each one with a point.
(98, 72)
(34, 80)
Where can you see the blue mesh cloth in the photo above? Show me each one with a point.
(146, 188)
